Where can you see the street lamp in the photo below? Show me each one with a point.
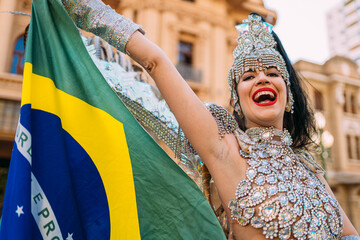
(325, 140)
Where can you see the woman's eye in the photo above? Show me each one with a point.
(249, 77)
(273, 74)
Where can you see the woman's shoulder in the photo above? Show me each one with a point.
(309, 162)
(225, 120)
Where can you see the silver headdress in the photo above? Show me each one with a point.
(256, 52)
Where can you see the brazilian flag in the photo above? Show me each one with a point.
(82, 167)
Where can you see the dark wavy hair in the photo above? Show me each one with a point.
(300, 124)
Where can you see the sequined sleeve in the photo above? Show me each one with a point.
(96, 17)
(351, 237)
(226, 122)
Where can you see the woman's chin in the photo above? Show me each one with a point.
(266, 118)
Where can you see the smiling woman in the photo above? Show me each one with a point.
(262, 97)
(269, 185)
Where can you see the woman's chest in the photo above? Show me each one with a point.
(281, 197)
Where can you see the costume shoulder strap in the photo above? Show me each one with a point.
(309, 162)
(226, 122)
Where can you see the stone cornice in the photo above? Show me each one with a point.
(10, 86)
(314, 76)
(345, 79)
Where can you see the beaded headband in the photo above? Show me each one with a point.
(256, 52)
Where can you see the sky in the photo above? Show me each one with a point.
(301, 27)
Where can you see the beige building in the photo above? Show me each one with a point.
(11, 54)
(334, 89)
(199, 37)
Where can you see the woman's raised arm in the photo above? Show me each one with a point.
(195, 120)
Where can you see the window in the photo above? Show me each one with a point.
(17, 66)
(350, 103)
(185, 53)
(349, 148)
(357, 145)
(9, 115)
(345, 103)
(186, 59)
(319, 101)
(353, 104)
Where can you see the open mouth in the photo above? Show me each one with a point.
(264, 97)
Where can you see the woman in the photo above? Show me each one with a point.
(265, 181)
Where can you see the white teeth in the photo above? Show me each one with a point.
(257, 96)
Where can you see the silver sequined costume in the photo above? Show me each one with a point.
(281, 194)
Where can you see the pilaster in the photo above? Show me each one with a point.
(339, 149)
(6, 28)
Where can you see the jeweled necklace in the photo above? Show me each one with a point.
(279, 194)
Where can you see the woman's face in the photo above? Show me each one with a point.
(262, 98)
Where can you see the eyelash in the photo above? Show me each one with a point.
(272, 74)
(248, 78)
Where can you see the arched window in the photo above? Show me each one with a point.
(17, 65)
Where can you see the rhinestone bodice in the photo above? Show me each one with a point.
(280, 194)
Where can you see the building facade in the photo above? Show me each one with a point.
(334, 90)
(12, 30)
(199, 37)
(343, 25)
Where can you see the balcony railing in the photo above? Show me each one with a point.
(9, 115)
(189, 73)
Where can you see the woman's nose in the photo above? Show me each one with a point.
(262, 78)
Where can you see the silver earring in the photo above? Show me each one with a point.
(238, 110)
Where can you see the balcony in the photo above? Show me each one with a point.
(189, 73)
(351, 19)
(350, 7)
(9, 116)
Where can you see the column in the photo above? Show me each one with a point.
(169, 35)
(218, 85)
(151, 23)
(203, 56)
(339, 149)
(7, 23)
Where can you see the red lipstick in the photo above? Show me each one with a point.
(265, 91)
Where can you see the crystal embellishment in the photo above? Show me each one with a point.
(243, 188)
(285, 233)
(269, 210)
(300, 228)
(249, 212)
(280, 194)
(257, 195)
(256, 222)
